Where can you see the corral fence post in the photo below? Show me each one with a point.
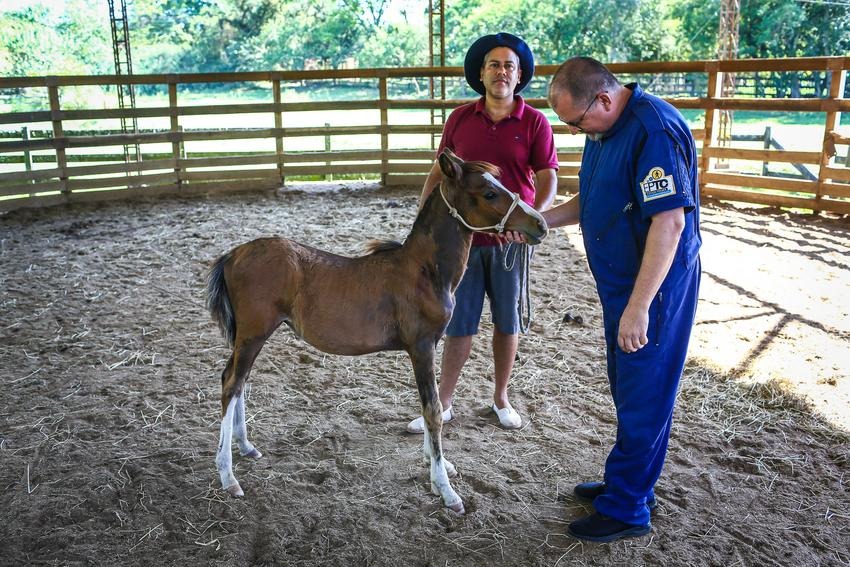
(328, 176)
(182, 145)
(836, 91)
(278, 126)
(767, 139)
(176, 132)
(382, 88)
(25, 135)
(58, 135)
(711, 118)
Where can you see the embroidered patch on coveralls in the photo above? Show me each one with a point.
(657, 185)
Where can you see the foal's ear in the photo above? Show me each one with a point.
(450, 164)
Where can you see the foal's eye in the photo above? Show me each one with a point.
(490, 195)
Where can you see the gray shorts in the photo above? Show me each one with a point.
(485, 274)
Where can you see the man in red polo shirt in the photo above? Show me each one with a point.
(501, 129)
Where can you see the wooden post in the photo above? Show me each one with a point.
(176, 132)
(328, 176)
(278, 124)
(767, 137)
(25, 135)
(382, 88)
(58, 135)
(711, 116)
(836, 91)
(182, 145)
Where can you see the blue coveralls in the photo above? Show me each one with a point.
(645, 164)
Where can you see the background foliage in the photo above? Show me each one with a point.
(40, 37)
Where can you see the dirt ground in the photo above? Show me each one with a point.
(109, 425)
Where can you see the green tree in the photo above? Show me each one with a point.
(768, 28)
(180, 36)
(827, 31)
(697, 27)
(41, 39)
(328, 32)
(610, 30)
(399, 45)
(27, 43)
(195, 35)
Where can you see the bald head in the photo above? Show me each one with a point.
(582, 78)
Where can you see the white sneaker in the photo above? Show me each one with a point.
(508, 417)
(418, 424)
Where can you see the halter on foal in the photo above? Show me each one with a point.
(398, 297)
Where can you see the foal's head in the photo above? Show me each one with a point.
(485, 204)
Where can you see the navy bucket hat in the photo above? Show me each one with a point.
(482, 46)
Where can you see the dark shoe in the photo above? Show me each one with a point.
(590, 490)
(603, 529)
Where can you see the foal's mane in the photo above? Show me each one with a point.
(378, 245)
(381, 245)
(483, 167)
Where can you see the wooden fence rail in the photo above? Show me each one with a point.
(66, 164)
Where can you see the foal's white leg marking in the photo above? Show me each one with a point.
(426, 456)
(224, 458)
(440, 471)
(240, 430)
(426, 447)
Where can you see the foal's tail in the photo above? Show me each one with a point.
(218, 302)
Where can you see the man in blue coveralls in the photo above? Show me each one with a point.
(638, 207)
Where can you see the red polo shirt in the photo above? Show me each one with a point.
(519, 145)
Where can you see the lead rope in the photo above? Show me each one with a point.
(524, 293)
(508, 264)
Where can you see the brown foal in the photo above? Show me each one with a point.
(398, 297)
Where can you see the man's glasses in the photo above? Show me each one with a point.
(575, 124)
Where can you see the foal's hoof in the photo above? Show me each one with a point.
(455, 504)
(235, 491)
(457, 508)
(253, 454)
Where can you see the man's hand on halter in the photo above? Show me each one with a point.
(512, 236)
